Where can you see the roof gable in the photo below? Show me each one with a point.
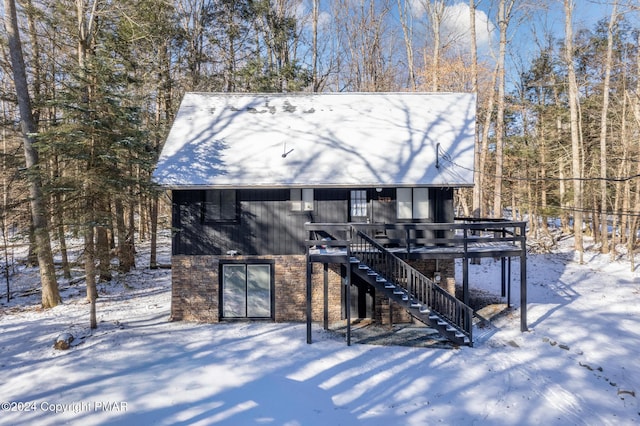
(342, 139)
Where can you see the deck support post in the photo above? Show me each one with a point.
(508, 282)
(503, 277)
(523, 281)
(465, 271)
(348, 296)
(326, 296)
(309, 269)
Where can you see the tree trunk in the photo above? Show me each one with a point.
(153, 217)
(90, 270)
(633, 227)
(404, 13)
(103, 252)
(125, 247)
(504, 14)
(131, 230)
(604, 235)
(477, 174)
(436, 13)
(50, 292)
(85, 37)
(314, 72)
(484, 145)
(576, 149)
(59, 220)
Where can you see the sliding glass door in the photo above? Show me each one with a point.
(246, 290)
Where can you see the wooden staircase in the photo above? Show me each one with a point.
(403, 284)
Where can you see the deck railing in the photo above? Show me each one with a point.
(374, 244)
(465, 231)
(421, 290)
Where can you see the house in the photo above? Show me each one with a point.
(260, 182)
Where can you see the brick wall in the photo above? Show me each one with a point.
(398, 314)
(291, 290)
(446, 268)
(195, 289)
(427, 267)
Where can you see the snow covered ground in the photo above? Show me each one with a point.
(578, 365)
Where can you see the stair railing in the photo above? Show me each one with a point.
(421, 290)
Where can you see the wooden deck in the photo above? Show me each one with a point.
(464, 239)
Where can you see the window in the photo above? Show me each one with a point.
(405, 197)
(301, 199)
(358, 208)
(421, 203)
(220, 205)
(246, 290)
(413, 203)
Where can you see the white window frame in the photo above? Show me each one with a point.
(413, 203)
(358, 203)
(404, 203)
(301, 199)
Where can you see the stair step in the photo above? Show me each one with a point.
(400, 289)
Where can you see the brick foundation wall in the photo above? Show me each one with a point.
(447, 269)
(428, 267)
(399, 315)
(195, 288)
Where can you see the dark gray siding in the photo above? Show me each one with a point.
(265, 223)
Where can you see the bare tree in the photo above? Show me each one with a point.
(315, 16)
(635, 222)
(477, 174)
(435, 12)
(362, 33)
(604, 235)
(576, 146)
(39, 214)
(505, 8)
(405, 14)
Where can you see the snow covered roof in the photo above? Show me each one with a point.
(337, 139)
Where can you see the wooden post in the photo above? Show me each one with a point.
(348, 296)
(309, 269)
(465, 270)
(509, 282)
(523, 281)
(326, 296)
(503, 279)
